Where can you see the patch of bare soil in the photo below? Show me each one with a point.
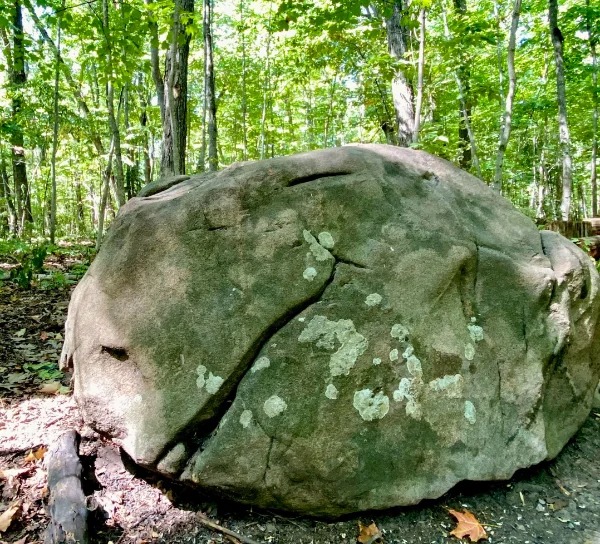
(554, 503)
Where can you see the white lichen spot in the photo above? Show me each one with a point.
(326, 240)
(274, 406)
(325, 333)
(309, 273)
(408, 351)
(371, 406)
(469, 352)
(413, 364)
(260, 364)
(473, 320)
(376, 361)
(246, 418)
(331, 392)
(200, 381)
(302, 319)
(318, 251)
(137, 399)
(476, 333)
(394, 355)
(451, 385)
(373, 299)
(404, 390)
(213, 383)
(470, 414)
(400, 332)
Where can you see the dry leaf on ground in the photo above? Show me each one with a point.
(368, 534)
(51, 388)
(36, 455)
(467, 526)
(6, 518)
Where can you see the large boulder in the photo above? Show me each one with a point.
(337, 331)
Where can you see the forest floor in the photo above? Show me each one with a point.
(557, 502)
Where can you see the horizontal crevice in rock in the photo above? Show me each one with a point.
(314, 177)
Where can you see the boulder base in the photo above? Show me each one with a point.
(337, 331)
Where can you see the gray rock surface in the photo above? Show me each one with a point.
(342, 330)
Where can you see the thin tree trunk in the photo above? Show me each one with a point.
(510, 95)
(18, 77)
(498, 18)
(110, 102)
(10, 204)
(104, 198)
(593, 40)
(209, 88)
(464, 108)
(146, 142)
(265, 89)
(244, 91)
(55, 133)
(420, 70)
(563, 125)
(402, 94)
(175, 91)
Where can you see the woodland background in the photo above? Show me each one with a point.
(99, 97)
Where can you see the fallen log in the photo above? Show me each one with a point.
(66, 505)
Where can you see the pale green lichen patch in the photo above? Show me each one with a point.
(394, 355)
(246, 418)
(374, 299)
(309, 273)
(326, 240)
(318, 251)
(451, 385)
(325, 333)
(200, 381)
(274, 406)
(470, 414)
(469, 352)
(371, 406)
(376, 361)
(213, 383)
(408, 351)
(407, 390)
(413, 364)
(260, 364)
(400, 332)
(331, 392)
(476, 332)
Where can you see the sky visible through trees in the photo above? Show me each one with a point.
(93, 95)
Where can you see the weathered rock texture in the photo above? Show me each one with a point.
(336, 331)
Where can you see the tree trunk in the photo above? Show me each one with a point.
(510, 95)
(107, 174)
(209, 87)
(110, 102)
(563, 125)
(175, 91)
(593, 40)
(463, 76)
(55, 134)
(18, 77)
(465, 110)
(420, 69)
(402, 94)
(244, 91)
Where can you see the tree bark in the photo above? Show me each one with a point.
(55, 133)
(110, 103)
(209, 87)
(175, 91)
(593, 40)
(510, 95)
(420, 69)
(563, 125)
(18, 78)
(6, 193)
(244, 91)
(402, 94)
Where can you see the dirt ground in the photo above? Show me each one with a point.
(554, 503)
